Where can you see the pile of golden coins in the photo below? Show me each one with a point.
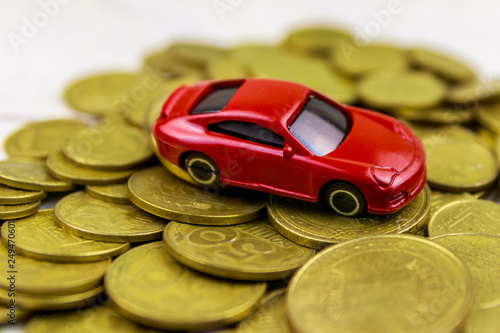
(134, 246)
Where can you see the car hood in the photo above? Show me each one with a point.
(377, 140)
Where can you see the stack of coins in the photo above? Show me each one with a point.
(133, 245)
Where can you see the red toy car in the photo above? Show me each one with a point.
(284, 138)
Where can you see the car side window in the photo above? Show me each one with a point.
(249, 131)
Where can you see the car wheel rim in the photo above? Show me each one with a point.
(344, 202)
(201, 171)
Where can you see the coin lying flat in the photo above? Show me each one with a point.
(394, 89)
(167, 295)
(159, 192)
(437, 115)
(489, 116)
(317, 226)
(388, 283)
(18, 211)
(14, 196)
(316, 40)
(193, 54)
(441, 65)
(168, 67)
(46, 278)
(273, 62)
(38, 140)
(270, 316)
(31, 175)
(482, 320)
(466, 216)
(117, 193)
(99, 94)
(481, 255)
(39, 237)
(251, 251)
(361, 60)
(449, 169)
(440, 199)
(119, 147)
(474, 91)
(226, 68)
(137, 112)
(62, 168)
(85, 216)
(33, 302)
(9, 314)
(103, 319)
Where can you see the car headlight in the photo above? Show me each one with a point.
(383, 176)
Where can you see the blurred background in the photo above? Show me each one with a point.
(47, 44)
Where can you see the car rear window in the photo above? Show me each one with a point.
(216, 100)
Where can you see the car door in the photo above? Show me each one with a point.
(260, 157)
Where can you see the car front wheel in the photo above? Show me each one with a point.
(202, 169)
(345, 199)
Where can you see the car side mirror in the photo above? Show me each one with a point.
(287, 152)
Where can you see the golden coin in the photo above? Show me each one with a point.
(226, 68)
(195, 55)
(489, 116)
(270, 317)
(466, 216)
(440, 199)
(117, 193)
(100, 94)
(389, 283)
(316, 226)
(356, 61)
(159, 192)
(449, 168)
(14, 196)
(437, 115)
(33, 302)
(38, 140)
(47, 278)
(441, 65)
(474, 91)
(102, 319)
(394, 89)
(481, 255)
(31, 175)
(62, 168)
(12, 314)
(151, 288)
(137, 112)
(316, 40)
(252, 251)
(119, 147)
(482, 321)
(272, 62)
(39, 237)
(168, 67)
(18, 211)
(488, 136)
(85, 216)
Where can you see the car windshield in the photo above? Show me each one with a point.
(320, 127)
(216, 100)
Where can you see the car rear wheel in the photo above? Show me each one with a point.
(202, 169)
(345, 199)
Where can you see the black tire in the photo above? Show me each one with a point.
(345, 199)
(202, 169)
